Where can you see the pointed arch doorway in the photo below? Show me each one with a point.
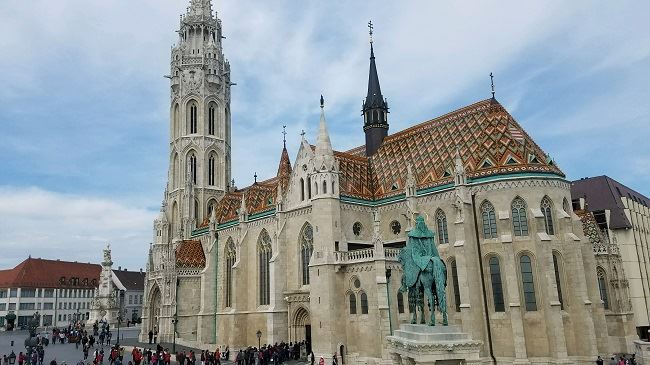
(301, 327)
(154, 307)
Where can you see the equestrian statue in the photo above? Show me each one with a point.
(425, 274)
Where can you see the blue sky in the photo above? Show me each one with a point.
(84, 106)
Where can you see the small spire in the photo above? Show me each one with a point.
(492, 83)
(370, 27)
(322, 101)
(323, 144)
(255, 177)
(302, 134)
(284, 136)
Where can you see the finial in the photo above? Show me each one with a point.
(370, 27)
(255, 176)
(322, 101)
(302, 134)
(284, 135)
(492, 82)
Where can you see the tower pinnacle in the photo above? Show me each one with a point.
(375, 107)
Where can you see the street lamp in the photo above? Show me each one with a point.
(119, 317)
(390, 322)
(174, 322)
(259, 337)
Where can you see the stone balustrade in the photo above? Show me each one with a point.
(364, 255)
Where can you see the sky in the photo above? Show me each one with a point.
(84, 107)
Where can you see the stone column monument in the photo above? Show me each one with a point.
(104, 305)
(425, 278)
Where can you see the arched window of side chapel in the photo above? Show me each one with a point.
(231, 257)
(547, 210)
(306, 248)
(264, 253)
(519, 218)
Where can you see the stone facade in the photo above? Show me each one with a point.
(304, 255)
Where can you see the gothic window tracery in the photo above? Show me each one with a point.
(519, 218)
(264, 253)
(193, 167)
(558, 280)
(193, 117)
(528, 283)
(302, 189)
(231, 257)
(489, 220)
(546, 207)
(306, 248)
(441, 221)
(602, 286)
(497, 285)
(211, 119)
(353, 303)
(211, 169)
(456, 287)
(364, 303)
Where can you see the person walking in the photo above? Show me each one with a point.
(612, 361)
(311, 356)
(321, 361)
(150, 336)
(599, 361)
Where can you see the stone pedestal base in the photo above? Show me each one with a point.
(432, 345)
(642, 352)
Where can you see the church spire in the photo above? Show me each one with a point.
(375, 107)
(200, 9)
(323, 143)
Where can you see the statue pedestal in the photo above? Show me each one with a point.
(416, 344)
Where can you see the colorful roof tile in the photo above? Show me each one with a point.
(189, 254)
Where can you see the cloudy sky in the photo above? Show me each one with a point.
(84, 106)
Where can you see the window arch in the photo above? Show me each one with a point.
(546, 207)
(602, 286)
(400, 302)
(211, 118)
(519, 218)
(231, 258)
(302, 189)
(308, 187)
(176, 124)
(175, 171)
(324, 187)
(441, 220)
(364, 303)
(211, 168)
(566, 206)
(264, 253)
(192, 116)
(489, 220)
(196, 211)
(306, 248)
(353, 303)
(456, 287)
(558, 280)
(192, 162)
(210, 207)
(528, 283)
(497, 284)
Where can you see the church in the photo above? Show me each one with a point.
(311, 253)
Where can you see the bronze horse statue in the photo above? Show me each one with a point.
(425, 274)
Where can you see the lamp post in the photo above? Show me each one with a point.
(259, 338)
(174, 322)
(390, 322)
(119, 317)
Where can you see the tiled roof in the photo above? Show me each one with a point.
(132, 280)
(602, 193)
(41, 273)
(189, 254)
(481, 132)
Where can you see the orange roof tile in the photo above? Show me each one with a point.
(41, 273)
(189, 254)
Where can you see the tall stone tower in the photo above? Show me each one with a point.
(199, 134)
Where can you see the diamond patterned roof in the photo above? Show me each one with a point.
(481, 132)
(189, 254)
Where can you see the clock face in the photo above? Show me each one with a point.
(304, 167)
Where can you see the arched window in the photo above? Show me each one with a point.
(193, 117)
(210, 207)
(175, 126)
(528, 283)
(489, 220)
(353, 303)
(375, 118)
(309, 188)
(456, 287)
(497, 286)
(400, 302)
(196, 210)
(193, 167)
(602, 286)
(264, 253)
(306, 248)
(302, 189)
(566, 206)
(211, 119)
(175, 171)
(324, 187)
(231, 257)
(546, 207)
(558, 281)
(441, 220)
(211, 169)
(364, 303)
(519, 219)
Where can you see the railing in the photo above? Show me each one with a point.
(364, 255)
(392, 253)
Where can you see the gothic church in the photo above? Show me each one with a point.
(311, 253)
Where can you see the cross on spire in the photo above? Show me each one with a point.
(492, 82)
(255, 177)
(302, 134)
(370, 28)
(322, 101)
(284, 135)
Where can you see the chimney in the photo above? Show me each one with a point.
(119, 268)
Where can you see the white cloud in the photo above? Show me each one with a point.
(51, 225)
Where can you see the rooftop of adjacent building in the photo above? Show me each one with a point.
(604, 193)
(59, 274)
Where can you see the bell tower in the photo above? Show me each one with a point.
(375, 107)
(199, 131)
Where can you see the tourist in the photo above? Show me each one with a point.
(150, 336)
(335, 360)
(53, 362)
(239, 358)
(612, 361)
(321, 361)
(217, 357)
(599, 361)
(21, 358)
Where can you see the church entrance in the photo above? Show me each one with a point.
(154, 304)
(301, 327)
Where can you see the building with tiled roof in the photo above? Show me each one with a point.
(622, 217)
(61, 291)
(304, 255)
